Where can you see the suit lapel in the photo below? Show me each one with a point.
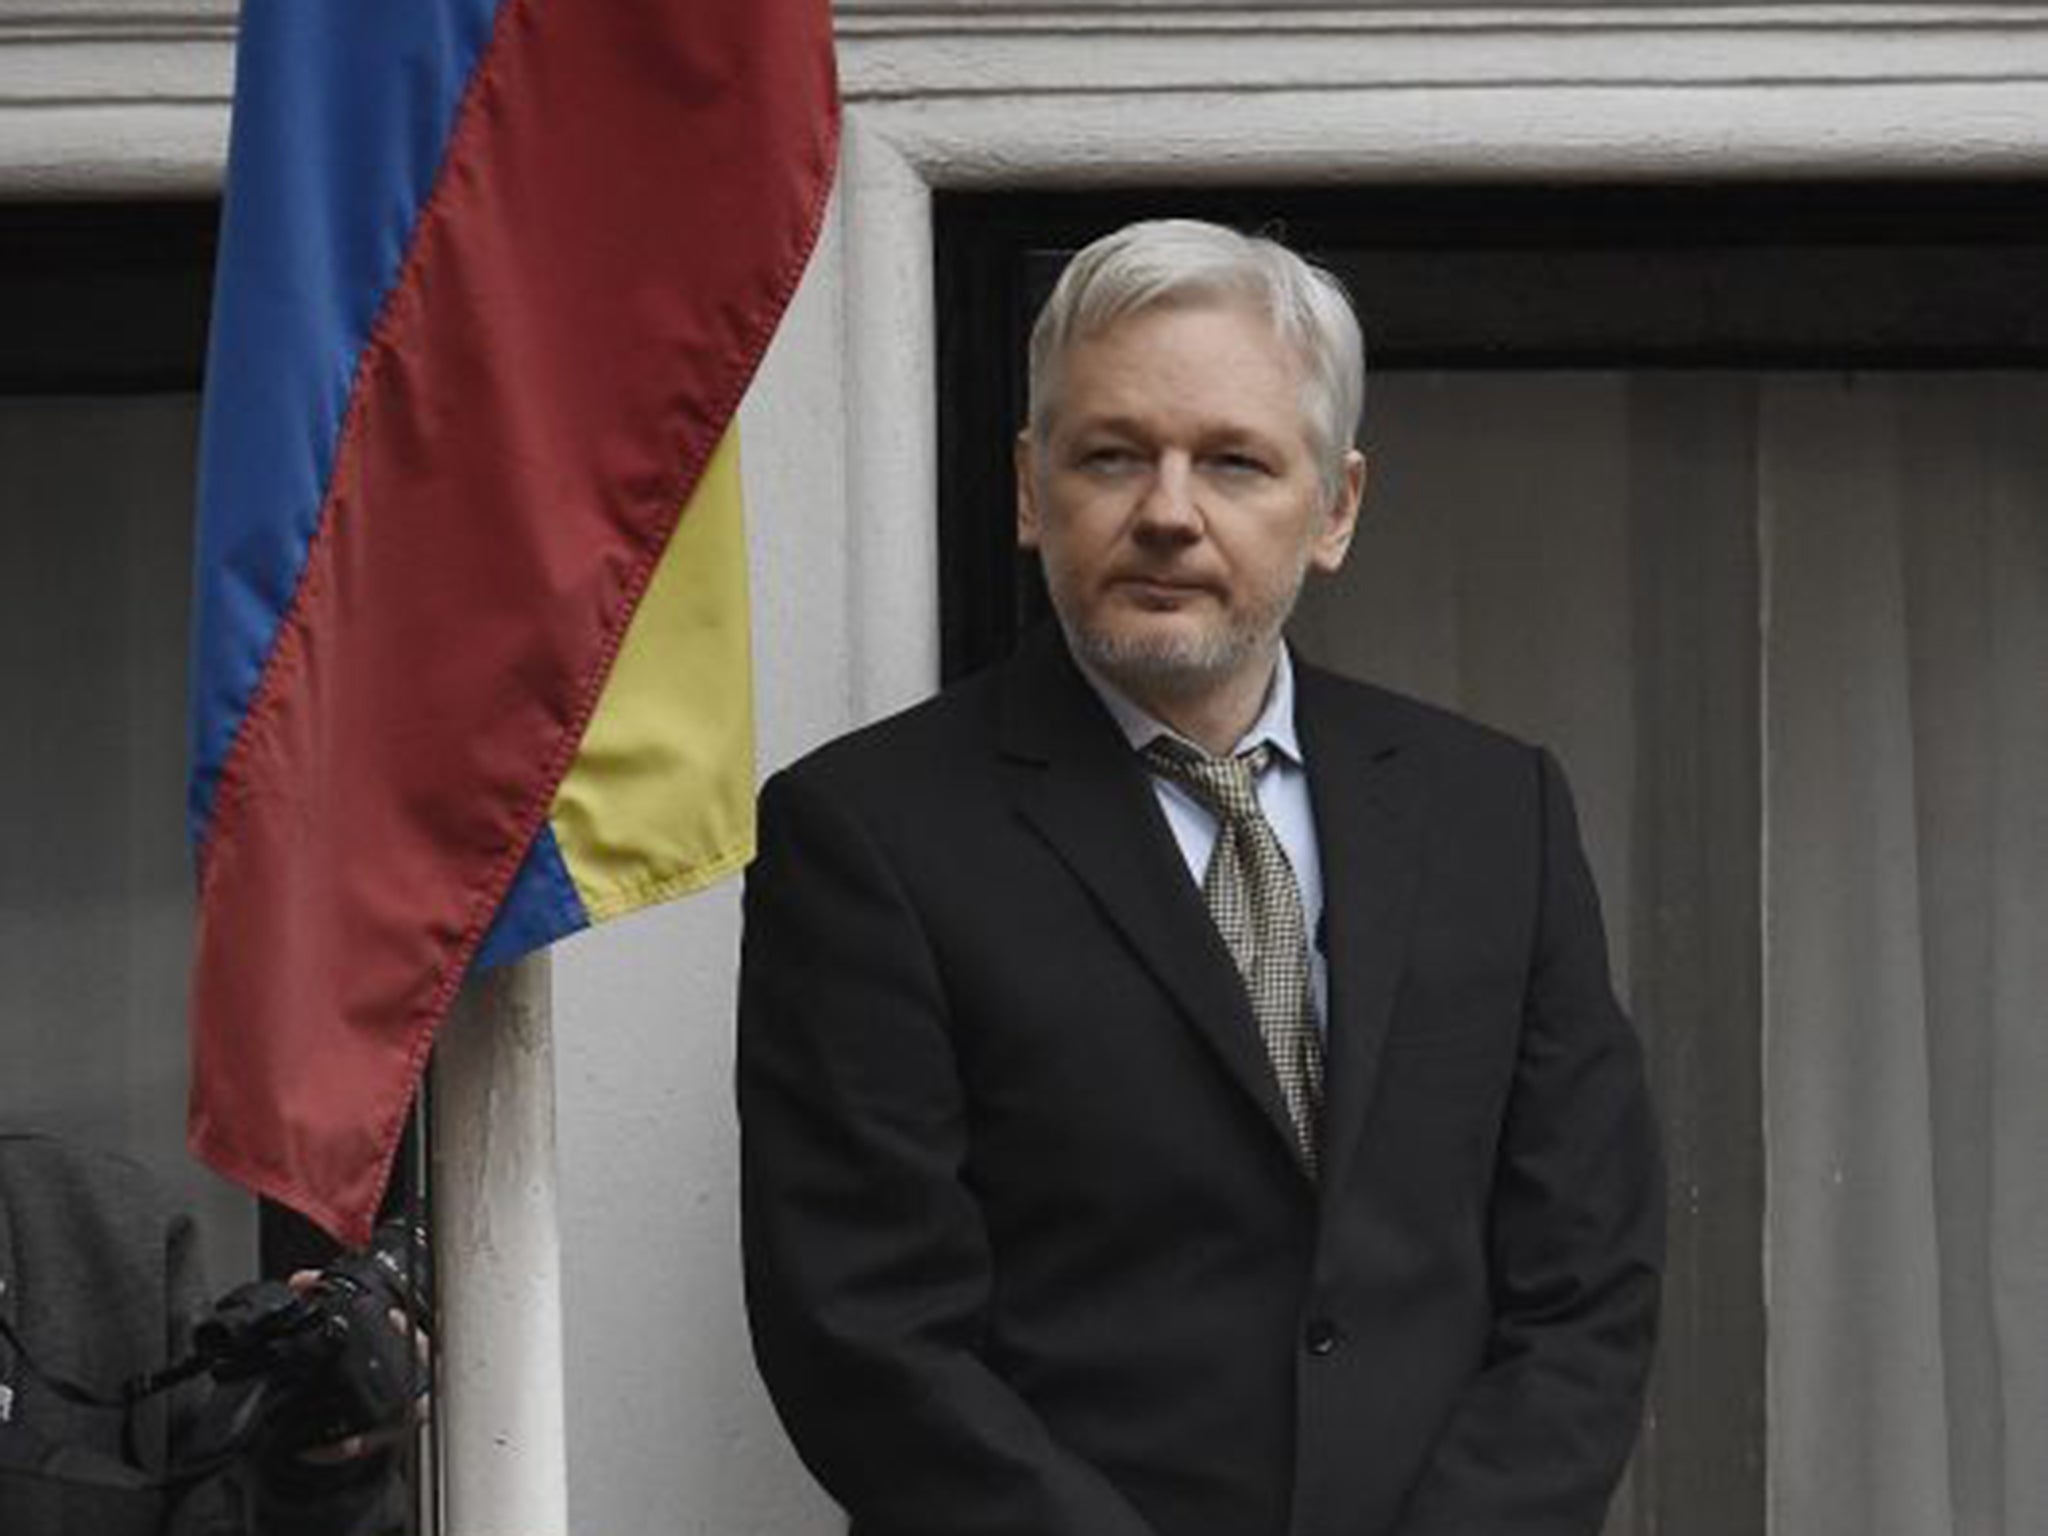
(1364, 789)
(1078, 784)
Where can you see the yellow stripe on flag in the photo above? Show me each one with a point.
(660, 799)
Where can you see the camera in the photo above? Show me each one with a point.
(306, 1367)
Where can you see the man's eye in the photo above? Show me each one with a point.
(1242, 464)
(1108, 460)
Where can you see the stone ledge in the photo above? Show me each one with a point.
(126, 97)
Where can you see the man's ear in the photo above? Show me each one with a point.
(1027, 491)
(1333, 543)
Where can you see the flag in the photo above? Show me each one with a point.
(469, 635)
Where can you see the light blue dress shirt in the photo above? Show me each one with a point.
(1283, 798)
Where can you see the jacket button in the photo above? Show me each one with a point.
(1322, 1337)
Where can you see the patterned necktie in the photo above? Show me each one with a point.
(1251, 895)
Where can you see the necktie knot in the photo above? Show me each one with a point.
(1226, 786)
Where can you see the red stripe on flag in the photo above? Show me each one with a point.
(627, 203)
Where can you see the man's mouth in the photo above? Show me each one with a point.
(1159, 591)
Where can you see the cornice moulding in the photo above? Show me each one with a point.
(114, 98)
(1039, 64)
(125, 97)
(895, 51)
(877, 17)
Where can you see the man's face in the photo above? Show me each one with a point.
(1176, 501)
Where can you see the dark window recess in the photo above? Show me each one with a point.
(1823, 276)
(105, 298)
(114, 299)
(1613, 278)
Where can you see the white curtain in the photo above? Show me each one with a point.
(1808, 611)
(1519, 531)
(95, 881)
(1905, 537)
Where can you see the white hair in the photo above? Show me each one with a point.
(1167, 262)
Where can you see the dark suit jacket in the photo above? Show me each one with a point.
(1027, 1250)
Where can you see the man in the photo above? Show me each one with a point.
(100, 1285)
(1123, 1159)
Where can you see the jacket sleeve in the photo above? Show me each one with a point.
(868, 1268)
(1539, 1438)
(369, 1496)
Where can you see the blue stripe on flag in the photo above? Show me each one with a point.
(541, 907)
(342, 110)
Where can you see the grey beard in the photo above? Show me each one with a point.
(1164, 667)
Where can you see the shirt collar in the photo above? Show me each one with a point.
(1275, 723)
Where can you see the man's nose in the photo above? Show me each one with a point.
(1169, 509)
